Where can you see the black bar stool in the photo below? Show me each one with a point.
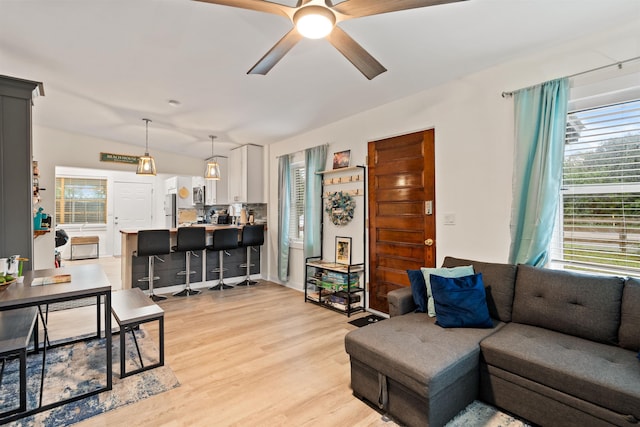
(252, 235)
(223, 239)
(152, 243)
(190, 240)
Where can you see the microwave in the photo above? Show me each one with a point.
(198, 195)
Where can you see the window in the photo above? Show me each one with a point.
(81, 201)
(296, 220)
(598, 227)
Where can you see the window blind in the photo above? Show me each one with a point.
(296, 219)
(81, 201)
(598, 226)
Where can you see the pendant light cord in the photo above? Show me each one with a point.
(213, 137)
(146, 145)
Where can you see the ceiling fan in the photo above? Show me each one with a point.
(318, 19)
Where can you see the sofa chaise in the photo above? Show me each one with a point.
(563, 351)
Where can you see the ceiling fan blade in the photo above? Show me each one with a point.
(276, 53)
(357, 8)
(355, 53)
(259, 5)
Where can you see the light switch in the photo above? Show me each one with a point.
(449, 219)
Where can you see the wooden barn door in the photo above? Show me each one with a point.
(401, 212)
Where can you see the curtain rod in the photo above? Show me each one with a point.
(618, 64)
(300, 151)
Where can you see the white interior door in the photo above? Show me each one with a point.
(132, 208)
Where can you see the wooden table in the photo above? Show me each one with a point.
(86, 281)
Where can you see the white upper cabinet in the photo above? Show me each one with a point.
(246, 174)
(216, 192)
(171, 185)
(197, 181)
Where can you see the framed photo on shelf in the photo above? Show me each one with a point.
(343, 250)
(341, 159)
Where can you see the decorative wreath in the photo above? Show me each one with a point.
(340, 206)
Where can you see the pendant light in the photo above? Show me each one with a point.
(146, 164)
(213, 169)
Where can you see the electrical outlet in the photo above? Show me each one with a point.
(449, 219)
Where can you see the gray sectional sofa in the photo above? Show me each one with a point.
(563, 352)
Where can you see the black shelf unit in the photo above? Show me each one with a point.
(339, 287)
(319, 292)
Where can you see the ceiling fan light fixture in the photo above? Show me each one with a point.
(314, 22)
(146, 164)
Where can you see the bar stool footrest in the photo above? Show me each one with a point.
(184, 272)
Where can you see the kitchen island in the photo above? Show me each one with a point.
(134, 268)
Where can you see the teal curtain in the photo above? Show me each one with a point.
(284, 211)
(540, 122)
(315, 161)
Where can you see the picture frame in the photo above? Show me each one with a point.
(343, 250)
(341, 159)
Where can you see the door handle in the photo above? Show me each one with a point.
(428, 242)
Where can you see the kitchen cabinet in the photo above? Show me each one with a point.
(197, 181)
(246, 174)
(171, 185)
(217, 191)
(16, 209)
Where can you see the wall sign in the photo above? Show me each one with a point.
(119, 158)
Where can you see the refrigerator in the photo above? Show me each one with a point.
(170, 212)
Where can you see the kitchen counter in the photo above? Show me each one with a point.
(209, 227)
(130, 244)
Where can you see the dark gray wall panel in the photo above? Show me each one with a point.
(16, 214)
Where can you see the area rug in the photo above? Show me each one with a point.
(476, 414)
(479, 414)
(80, 367)
(367, 320)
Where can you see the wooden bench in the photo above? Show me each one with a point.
(131, 308)
(85, 240)
(16, 328)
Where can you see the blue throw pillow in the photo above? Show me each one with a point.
(418, 289)
(465, 270)
(460, 302)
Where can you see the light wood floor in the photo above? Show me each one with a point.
(250, 357)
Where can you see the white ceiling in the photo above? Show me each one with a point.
(106, 64)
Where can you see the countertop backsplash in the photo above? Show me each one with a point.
(259, 211)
